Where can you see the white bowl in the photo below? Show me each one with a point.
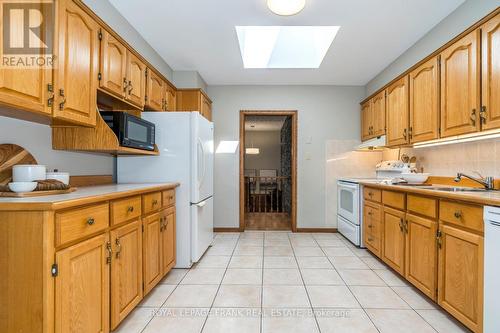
(415, 178)
(28, 173)
(63, 177)
(22, 187)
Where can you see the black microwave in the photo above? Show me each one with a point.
(131, 131)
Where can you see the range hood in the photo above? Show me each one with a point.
(372, 144)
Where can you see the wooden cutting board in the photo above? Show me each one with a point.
(10, 155)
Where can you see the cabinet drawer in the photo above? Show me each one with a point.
(78, 223)
(422, 205)
(460, 214)
(125, 210)
(372, 194)
(168, 198)
(151, 202)
(394, 199)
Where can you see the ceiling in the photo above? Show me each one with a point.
(264, 123)
(200, 35)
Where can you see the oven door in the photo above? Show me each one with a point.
(348, 201)
(138, 133)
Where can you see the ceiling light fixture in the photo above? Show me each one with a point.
(286, 7)
(252, 151)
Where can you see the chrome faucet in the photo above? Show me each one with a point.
(487, 182)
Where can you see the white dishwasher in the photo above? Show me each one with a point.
(491, 269)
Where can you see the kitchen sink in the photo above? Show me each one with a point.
(457, 189)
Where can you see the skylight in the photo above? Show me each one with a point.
(284, 46)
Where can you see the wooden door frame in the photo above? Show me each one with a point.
(293, 114)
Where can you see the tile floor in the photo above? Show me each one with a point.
(273, 282)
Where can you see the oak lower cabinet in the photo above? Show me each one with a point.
(421, 254)
(460, 289)
(152, 240)
(167, 239)
(82, 287)
(393, 236)
(126, 270)
(372, 227)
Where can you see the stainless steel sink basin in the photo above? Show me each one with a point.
(457, 189)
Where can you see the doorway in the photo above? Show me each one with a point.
(268, 170)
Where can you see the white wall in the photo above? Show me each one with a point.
(269, 157)
(189, 79)
(324, 113)
(37, 139)
(463, 17)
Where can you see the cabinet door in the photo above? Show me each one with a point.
(372, 225)
(366, 120)
(206, 108)
(490, 110)
(77, 65)
(126, 271)
(171, 98)
(424, 102)
(136, 85)
(113, 65)
(82, 287)
(460, 86)
(168, 239)
(154, 92)
(378, 114)
(397, 112)
(421, 254)
(460, 271)
(393, 236)
(151, 244)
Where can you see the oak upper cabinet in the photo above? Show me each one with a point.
(167, 239)
(424, 102)
(152, 243)
(170, 98)
(113, 65)
(206, 107)
(126, 270)
(366, 120)
(154, 91)
(490, 109)
(378, 114)
(421, 254)
(397, 112)
(372, 231)
(460, 272)
(460, 86)
(136, 81)
(393, 249)
(77, 61)
(82, 287)
(194, 100)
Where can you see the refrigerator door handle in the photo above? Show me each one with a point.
(201, 204)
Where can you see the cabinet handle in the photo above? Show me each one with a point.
(61, 105)
(370, 213)
(370, 226)
(404, 134)
(438, 239)
(483, 114)
(90, 221)
(125, 85)
(410, 133)
(458, 214)
(401, 225)
(370, 239)
(119, 245)
(130, 209)
(110, 252)
(406, 226)
(155, 202)
(131, 87)
(473, 117)
(370, 194)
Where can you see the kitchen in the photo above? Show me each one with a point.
(141, 198)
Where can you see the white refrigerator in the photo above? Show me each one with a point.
(186, 144)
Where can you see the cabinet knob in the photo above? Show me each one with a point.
(370, 194)
(90, 221)
(155, 202)
(130, 209)
(119, 245)
(370, 226)
(458, 214)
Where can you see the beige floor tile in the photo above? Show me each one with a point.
(217, 250)
(325, 236)
(442, 322)
(414, 298)
(314, 262)
(321, 277)
(204, 276)
(238, 296)
(373, 263)
(277, 242)
(276, 235)
(136, 321)
(361, 252)
(158, 295)
(251, 242)
(289, 323)
(177, 320)
(285, 251)
(348, 263)
(282, 276)
(308, 251)
(305, 242)
(361, 277)
(334, 242)
(192, 296)
(399, 321)
(174, 276)
(391, 278)
(252, 235)
(246, 250)
(246, 262)
(280, 262)
(233, 320)
(344, 321)
(243, 276)
(332, 297)
(378, 298)
(213, 262)
(338, 251)
(285, 297)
